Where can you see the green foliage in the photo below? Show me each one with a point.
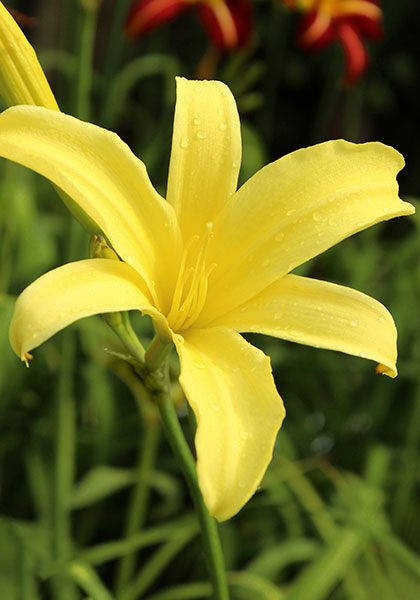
(337, 514)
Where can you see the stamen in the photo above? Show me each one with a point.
(184, 312)
(181, 279)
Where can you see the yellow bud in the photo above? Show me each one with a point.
(22, 80)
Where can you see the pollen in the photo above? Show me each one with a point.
(191, 286)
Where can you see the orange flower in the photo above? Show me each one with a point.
(345, 21)
(228, 22)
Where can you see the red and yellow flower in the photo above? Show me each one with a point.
(228, 23)
(345, 21)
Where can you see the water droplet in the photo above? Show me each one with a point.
(341, 347)
(166, 224)
(188, 99)
(354, 323)
(35, 335)
(381, 319)
(198, 89)
(222, 126)
(332, 221)
(196, 121)
(225, 93)
(317, 216)
(279, 236)
(241, 484)
(221, 112)
(266, 262)
(74, 277)
(63, 315)
(185, 140)
(320, 307)
(201, 135)
(214, 156)
(368, 199)
(198, 365)
(236, 164)
(297, 334)
(75, 309)
(244, 435)
(290, 212)
(363, 355)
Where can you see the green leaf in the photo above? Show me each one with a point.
(99, 483)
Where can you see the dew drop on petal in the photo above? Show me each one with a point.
(317, 216)
(184, 143)
(222, 126)
(236, 164)
(188, 99)
(225, 93)
(198, 89)
(354, 323)
(363, 355)
(201, 135)
(196, 121)
(35, 335)
(62, 315)
(381, 319)
(241, 484)
(196, 364)
(290, 212)
(266, 262)
(221, 112)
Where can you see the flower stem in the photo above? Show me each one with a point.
(140, 497)
(208, 525)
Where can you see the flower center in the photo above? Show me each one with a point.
(191, 285)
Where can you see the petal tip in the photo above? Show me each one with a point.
(385, 370)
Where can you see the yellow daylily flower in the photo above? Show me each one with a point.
(210, 262)
(22, 80)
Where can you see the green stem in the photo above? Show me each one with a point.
(64, 464)
(140, 498)
(208, 525)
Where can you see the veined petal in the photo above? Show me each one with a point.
(22, 80)
(228, 22)
(320, 314)
(206, 153)
(146, 15)
(71, 292)
(295, 209)
(101, 174)
(354, 51)
(230, 388)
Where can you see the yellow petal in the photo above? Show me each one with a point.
(22, 80)
(101, 174)
(320, 314)
(71, 292)
(230, 388)
(296, 208)
(206, 153)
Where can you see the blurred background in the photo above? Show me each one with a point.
(92, 502)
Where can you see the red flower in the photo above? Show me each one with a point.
(228, 22)
(345, 21)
